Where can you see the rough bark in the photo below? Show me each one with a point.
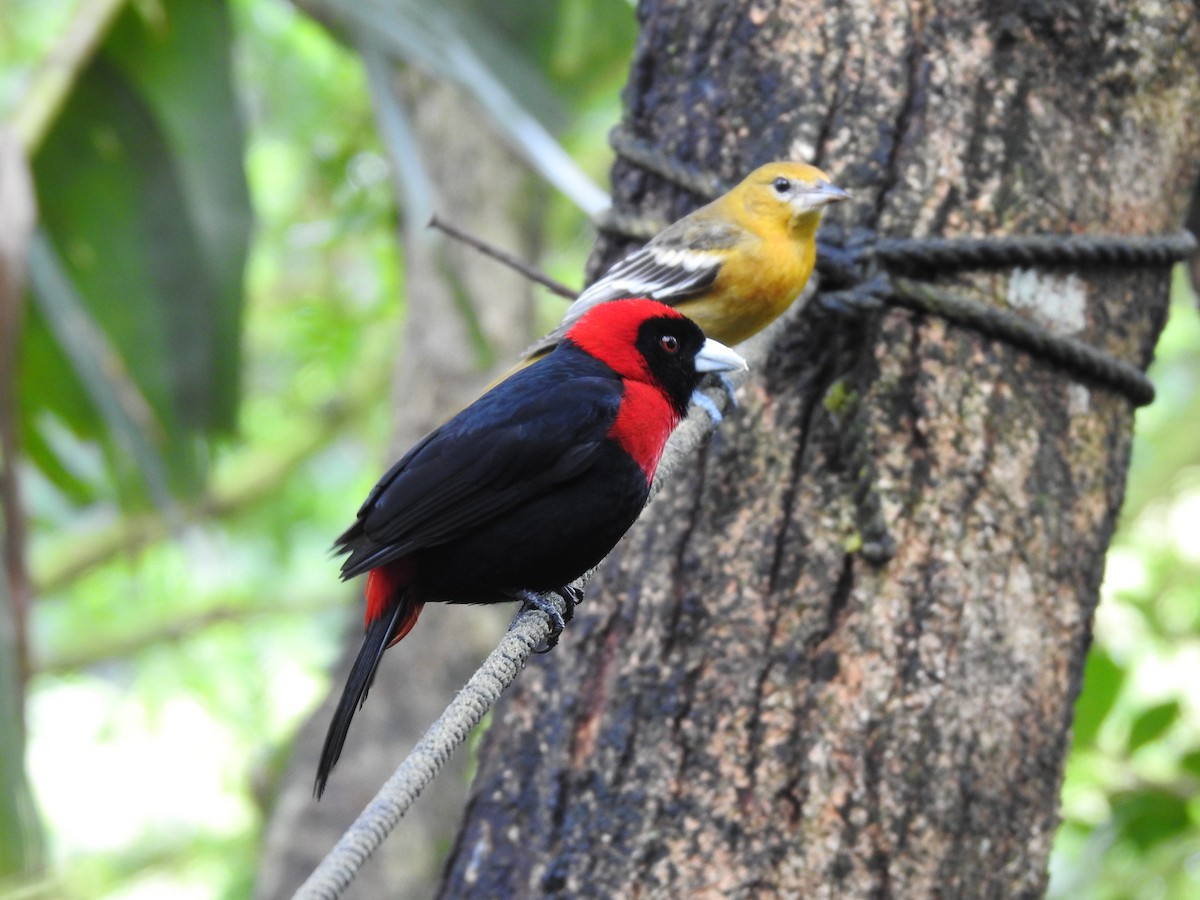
(745, 705)
(438, 370)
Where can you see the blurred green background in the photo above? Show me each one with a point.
(215, 300)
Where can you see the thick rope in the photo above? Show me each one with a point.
(856, 264)
(652, 158)
(331, 878)
(638, 228)
(1075, 356)
(866, 268)
(942, 255)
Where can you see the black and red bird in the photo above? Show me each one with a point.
(528, 487)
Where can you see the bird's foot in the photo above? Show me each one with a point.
(572, 597)
(542, 603)
(706, 403)
(729, 388)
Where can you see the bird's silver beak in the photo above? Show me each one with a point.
(820, 194)
(716, 357)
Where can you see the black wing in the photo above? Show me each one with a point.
(540, 428)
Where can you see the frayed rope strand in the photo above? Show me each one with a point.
(504, 257)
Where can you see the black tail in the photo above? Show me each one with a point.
(362, 673)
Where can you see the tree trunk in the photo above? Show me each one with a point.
(458, 330)
(747, 706)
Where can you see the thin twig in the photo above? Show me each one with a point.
(252, 477)
(122, 649)
(502, 256)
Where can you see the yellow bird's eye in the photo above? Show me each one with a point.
(782, 186)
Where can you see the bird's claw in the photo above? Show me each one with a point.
(572, 597)
(542, 603)
(729, 388)
(706, 403)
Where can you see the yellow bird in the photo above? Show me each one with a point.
(732, 266)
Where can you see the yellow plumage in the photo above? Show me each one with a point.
(732, 266)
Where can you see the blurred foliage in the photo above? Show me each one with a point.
(133, 341)
(177, 653)
(1131, 799)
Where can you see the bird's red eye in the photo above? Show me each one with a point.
(669, 342)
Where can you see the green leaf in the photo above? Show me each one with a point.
(1147, 817)
(1190, 763)
(74, 488)
(128, 420)
(1152, 723)
(584, 45)
(182, 68)
(1102, 680)
(140, 186)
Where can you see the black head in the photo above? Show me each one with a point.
(669, 345)
(645, 341)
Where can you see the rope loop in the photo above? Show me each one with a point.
(867, 272)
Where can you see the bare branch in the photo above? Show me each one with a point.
(502, 256)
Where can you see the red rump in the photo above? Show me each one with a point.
(385, 585)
